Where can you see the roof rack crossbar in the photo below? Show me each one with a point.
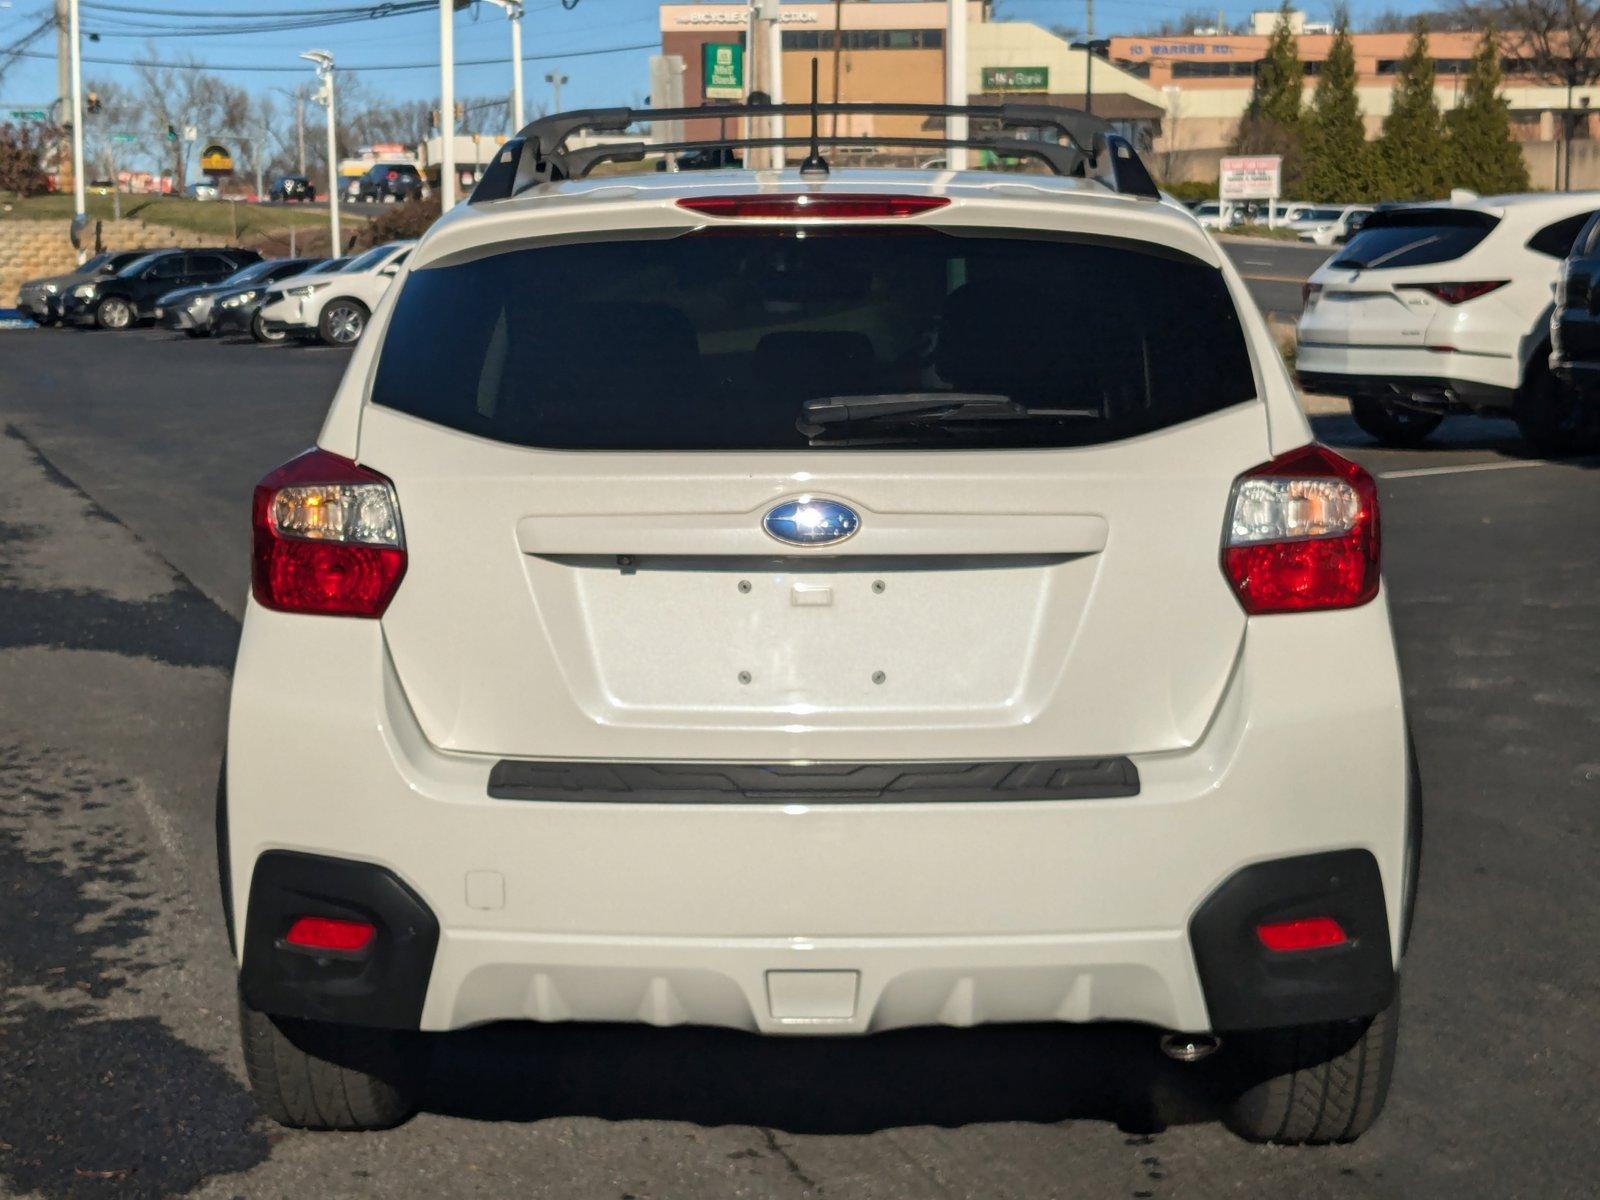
(538, 153)
(1062, 160)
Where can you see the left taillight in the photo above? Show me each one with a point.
(326, 538)
(1302, 534)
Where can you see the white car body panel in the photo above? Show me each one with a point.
(1110, 630)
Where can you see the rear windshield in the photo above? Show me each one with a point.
(716, 341)
(1415, 237)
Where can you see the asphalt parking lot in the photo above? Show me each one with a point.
(126, 463)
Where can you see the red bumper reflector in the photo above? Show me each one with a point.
(330, 933)
(807, 207)
(1310, 933)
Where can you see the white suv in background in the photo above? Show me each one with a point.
(793, 602)
(333, 306)
(1433, 309)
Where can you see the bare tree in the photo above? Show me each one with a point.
(1555, 41)
(178, 95)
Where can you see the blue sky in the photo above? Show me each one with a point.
(595, 79)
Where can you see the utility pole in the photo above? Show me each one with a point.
(63, 77)
(555, 79)
(447, 106)
(766, 53)
(955, 81)
(1088, 56)
(300, 124)
(838, 49)
(80, 219)
(324, 64)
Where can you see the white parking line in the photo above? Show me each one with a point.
(1463, 469)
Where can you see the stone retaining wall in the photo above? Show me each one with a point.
(31, 248)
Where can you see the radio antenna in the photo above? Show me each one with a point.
(814, 165)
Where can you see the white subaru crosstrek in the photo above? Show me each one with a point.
(812, 605)
(333, 306)
(1436, 309)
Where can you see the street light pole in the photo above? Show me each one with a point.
(447, 106)
(79, 217)
(514, 15)
(955, 80)
(555, 79)
(324, 64)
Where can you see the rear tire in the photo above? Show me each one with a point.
(1317, 1084)
(307, 1075)
(1552, 417)
(1391, 424)
(343, 321)
(259, 331)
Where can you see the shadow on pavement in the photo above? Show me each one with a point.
(710, 1077)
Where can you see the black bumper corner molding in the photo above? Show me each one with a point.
(1249, 987)
(385, 988)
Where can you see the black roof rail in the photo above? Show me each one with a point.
(1093, 149)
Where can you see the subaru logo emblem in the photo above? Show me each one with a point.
(811, 522)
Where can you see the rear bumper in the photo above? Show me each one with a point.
(1439, 380)
(799, 917)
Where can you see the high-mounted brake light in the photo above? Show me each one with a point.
(1308, 933)
(327, 538)
(1457, 293)
(330, 933)
(1302, 534)
(808, 207)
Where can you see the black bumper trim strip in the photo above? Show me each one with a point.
(820, 783)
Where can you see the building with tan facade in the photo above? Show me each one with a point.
(893, 50)
(1206, 81)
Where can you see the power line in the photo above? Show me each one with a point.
(416, 66)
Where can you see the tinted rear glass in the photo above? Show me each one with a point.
(715, 341)
(1415, 237)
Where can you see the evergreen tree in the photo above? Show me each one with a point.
(1271, 123)
(1337, 159)
(1482, 155)
(1411, 153)
(1280, 77)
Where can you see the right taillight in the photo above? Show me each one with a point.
(327, 538)
(1302, 534)
(1457, 293)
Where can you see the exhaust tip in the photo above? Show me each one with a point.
(1189, 1047)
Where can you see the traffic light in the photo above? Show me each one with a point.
(172, 133)
(433, 118)
(91, 102)
(461, 112)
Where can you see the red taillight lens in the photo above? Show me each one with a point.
(808, 207)
(1457, 293)
(1303, 534)
(327, 538)
(330, 933)
(1309, 933)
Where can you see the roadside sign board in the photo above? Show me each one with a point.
(723, 70)
(1256, 178)
(216, 159)
(1016, 79)
(124, 137)
(27, 114)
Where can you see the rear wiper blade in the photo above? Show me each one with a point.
(956, 407)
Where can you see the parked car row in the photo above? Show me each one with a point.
(1321, 224)
(219, 290)
(1463, 307)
